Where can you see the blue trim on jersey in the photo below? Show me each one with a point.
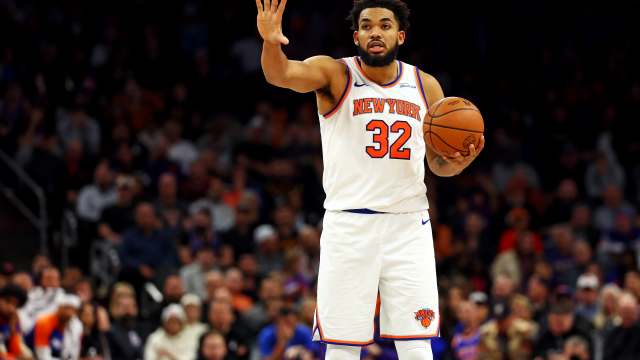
(400, 71)
(424, 95)
(364, 211)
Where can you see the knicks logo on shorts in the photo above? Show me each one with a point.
(425, 316)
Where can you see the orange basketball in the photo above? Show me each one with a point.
(453, 124)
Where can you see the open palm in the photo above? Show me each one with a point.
(270, 21)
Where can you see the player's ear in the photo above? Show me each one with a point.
(401, 37)
(355, 38)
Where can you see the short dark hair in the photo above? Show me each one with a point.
(398, 7)
(14, 292)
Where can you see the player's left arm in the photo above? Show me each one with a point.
(439, 164)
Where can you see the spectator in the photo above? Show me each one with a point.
(268, 256)
(12, 343)
(168, 205)
(576, 348)
(145, 248)
(170, 342)
(602, 173)
(58, 335)
(624, 340)
(616, 243)
(223, 320)
(518, 220)
(283, 336)
(561, 208)
(560, 255)
(582, 225)
(234, 281)
(202, 232)
(181, 150)
(23, 280)
(538, 293)
(95, 325)
(42, 299)
(606, 317)
(561, 325)
(76, 124)
(194, 328)
(268, 306)
(221, 212)
(502, 291)
(466, 340)
(587, 287)
(117, 218)
(93, 198)
(212, 346)
(521, 329)
(127, 335)
(193, 275)
(613, 203)
(517, 262)
(296, 284)
(240, 236)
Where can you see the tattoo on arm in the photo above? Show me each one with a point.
(440, 161)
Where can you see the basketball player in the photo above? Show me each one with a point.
(376, 233)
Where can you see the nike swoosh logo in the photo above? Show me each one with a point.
(425, 222)
(359, 85)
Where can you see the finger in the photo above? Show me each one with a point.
(259, 6)
(281, 6)
(481, 144)
(283, 40)
(273, 5)
(472, 150)
(267, 5)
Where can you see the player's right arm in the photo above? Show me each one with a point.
(312, 74)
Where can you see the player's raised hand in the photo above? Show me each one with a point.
(270, 21)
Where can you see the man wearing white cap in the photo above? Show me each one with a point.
(268, 255)
(587, 292)
(57, 335)
(193, 328)
(170, 341)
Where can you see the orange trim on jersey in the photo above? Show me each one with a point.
(391, 84)
(345, 93)
(411, 337)
(337, 342)
(419, 83)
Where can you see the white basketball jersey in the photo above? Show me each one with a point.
(372, 144)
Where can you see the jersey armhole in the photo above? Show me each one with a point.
(344, 95)
(421, 87)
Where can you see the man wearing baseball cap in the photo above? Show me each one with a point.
(587, 293)
(58, 335)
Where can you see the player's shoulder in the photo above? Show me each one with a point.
(326, 62)
(426, 77)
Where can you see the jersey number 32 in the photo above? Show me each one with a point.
(381, 131)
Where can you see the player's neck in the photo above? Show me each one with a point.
(381, 74)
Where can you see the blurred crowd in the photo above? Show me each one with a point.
(198, 197)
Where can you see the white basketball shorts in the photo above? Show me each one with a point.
(362, 255)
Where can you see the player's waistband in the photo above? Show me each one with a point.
(364, 211)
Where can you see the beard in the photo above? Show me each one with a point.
(378, 60)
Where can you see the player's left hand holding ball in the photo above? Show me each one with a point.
(460, 162)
